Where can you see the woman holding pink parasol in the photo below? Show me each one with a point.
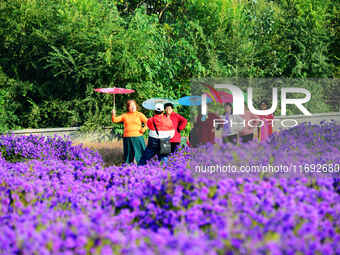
(133, 139)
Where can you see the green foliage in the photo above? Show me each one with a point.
(54, 53)
(305, 38)
(12, 102)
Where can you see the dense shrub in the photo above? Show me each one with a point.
(61, 50)
(21, 148)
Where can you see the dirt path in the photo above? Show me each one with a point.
(111, 152)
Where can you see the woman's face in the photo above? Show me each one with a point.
(263, 106)
(132, 107)
(168, 110)
(227, 108)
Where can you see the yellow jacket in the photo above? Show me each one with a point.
(132, 123)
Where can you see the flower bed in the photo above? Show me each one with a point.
(58, 205)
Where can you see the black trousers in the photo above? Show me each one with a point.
(133, 148)
(247, 138)
(151, 150)
(174, 147)
(230, 139)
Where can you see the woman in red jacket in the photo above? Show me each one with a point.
(203, 131)
(160, 127)
(179, 123)
(250, 122)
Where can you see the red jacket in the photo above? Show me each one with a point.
(267, 128)
(179, 123)
(204, 131)
(164, 126)
(247, 116)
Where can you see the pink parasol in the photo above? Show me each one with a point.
(114, 91)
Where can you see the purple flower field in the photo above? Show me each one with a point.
(56, 198)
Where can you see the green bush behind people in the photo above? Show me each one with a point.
(53, 53)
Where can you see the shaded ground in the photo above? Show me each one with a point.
(111, 152)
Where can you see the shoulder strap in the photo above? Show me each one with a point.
(153, 120)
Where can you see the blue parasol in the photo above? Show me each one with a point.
(192, 100)
(150, 103)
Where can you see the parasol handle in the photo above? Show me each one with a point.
(114, 101)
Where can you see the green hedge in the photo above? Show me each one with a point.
(54, 53)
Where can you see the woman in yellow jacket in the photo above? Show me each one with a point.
(133, 140)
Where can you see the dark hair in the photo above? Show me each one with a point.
(130, 101)
(231, 106)
(168, 104)
(264, 102)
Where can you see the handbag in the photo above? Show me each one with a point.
(165, 145)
